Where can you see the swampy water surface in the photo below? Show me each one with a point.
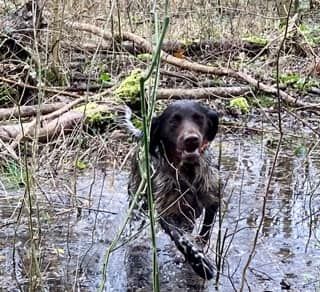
(75, 218)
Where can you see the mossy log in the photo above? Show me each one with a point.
(61, 124)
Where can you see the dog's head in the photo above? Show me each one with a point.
(183, 131)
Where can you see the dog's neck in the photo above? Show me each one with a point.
(188, 170)
(183, 169)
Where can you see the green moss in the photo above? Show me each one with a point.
(240, 103)
(289, 78)
(265, 101)
(311, 34)
(137, 123)
(95, 113)
(144, 57)
(7, 94)
(105, 78)
(129, 89)
(300, 151)
(306, 83)
(256, 40)
(13, 175)
(50, 76)
(81, 165)
(297, 81)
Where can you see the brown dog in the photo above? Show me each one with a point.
(184, 181)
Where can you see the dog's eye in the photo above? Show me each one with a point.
(176, 118)
(198, 118)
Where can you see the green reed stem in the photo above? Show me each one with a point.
(147, 107)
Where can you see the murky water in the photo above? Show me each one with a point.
(287, 252)
(78, 219)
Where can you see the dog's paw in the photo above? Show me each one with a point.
(197, 259)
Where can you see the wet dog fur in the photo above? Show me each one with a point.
(185, 182)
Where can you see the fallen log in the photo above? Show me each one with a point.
(64, 123)
(202, 93)
(29, 110)
(189, 65)
(191, 49)
(31, 126)
(63, 120)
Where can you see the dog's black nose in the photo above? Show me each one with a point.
(191, 143)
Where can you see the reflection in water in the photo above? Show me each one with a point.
(138, 266)
(77, 230)
(279, 255)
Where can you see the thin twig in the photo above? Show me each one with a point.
(265, 197)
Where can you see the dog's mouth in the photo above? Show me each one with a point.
(190, 156)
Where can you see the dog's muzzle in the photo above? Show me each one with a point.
(191, 148)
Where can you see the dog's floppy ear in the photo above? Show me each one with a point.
(154, 135)
(213, 124)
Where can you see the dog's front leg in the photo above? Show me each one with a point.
(210, 213)
(193, 255)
